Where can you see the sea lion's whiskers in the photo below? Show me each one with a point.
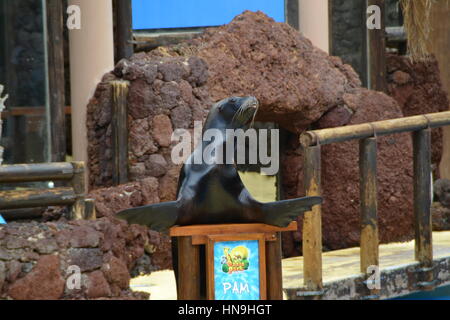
(238, 113)
(254, 116)
(234, 116)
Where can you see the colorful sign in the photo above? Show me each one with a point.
(237, 270)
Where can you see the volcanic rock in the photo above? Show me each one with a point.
(417, 88)
(44, 282)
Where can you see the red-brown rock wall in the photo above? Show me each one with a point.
(69, 260)
(417, 88)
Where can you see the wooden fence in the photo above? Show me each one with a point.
(420, 126)
(74, 195)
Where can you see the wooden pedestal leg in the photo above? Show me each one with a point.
(273, 269)
(188, 269)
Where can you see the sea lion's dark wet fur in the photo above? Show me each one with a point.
(214, 193)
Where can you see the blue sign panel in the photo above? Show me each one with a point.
(236, 270)
(162, 14)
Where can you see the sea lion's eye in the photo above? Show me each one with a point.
(233, 100)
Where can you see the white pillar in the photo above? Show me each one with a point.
(91, 56)
(313, 22)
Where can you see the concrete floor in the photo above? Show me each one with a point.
(161, 285)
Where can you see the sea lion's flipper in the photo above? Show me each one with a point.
(281, 213)
(158, 217)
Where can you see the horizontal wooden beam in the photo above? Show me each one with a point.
(22, 111)
(395, 34)
(36, 198)
(214, 229)
(36, 172)
(150, 40)
(24, 213)
(367, 130)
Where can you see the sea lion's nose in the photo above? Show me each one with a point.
(252, 102)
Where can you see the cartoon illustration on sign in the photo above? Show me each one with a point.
(236, 260)
(236, 270)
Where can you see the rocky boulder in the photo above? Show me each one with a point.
(417, 88)
(294, 81)
(340, 177)
(108, 201)
(69, 260)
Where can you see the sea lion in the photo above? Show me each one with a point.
(213, 193)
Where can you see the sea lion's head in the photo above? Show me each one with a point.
(232, 113)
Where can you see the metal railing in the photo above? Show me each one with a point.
(367, 133)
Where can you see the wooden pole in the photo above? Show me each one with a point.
(120, 131)
(274, 269)
(123, 34)
(380, 128)
(422, 196)
(36, 172)
(36, 198)
(292, 14)
(56, 81)
(23, 213)
(188, 269)
(78, 185)
(368, 198)
(89, 205)
(377, 51)
(312, 223)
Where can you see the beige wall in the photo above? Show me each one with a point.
(313, 22)
(91, 56)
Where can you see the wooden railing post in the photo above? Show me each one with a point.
(56, 83)
(123, 33)
(312, 224)
(78, 185)
(89, 209)
(369, 255)
(376, 53)
(120, 131)
(422, 196)
(368, 199)
(422, 203)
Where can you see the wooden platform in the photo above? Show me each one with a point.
(340, 266)
(340, 270)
